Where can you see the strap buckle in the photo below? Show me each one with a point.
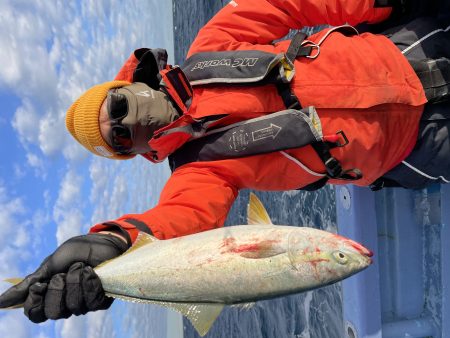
(335, 139)
(312, 46)
(342, 134)
(333, 167)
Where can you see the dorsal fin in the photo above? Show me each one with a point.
(256, 213)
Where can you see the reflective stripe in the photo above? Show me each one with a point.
(418, 42)
(301, 165)
(423, 174)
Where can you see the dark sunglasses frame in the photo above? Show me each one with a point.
(120, 136)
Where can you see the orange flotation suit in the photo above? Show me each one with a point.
(361, 84)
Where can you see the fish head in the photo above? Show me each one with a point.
(323, 258)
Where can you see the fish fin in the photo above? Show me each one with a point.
(201, 315)
(141, 240)
(256, 213)
(13, 281)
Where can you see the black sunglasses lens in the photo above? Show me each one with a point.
(117, 106)
(121, 139)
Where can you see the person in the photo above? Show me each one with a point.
(336, 107)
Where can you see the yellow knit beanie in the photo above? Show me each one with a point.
(82, 120)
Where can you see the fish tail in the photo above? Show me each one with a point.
(13, 281)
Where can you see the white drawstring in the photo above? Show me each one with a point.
(423, 174)
(406, 50)
(305, 168)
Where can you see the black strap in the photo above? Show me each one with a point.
(141, 226)
(296, 49)
(383, 182)
(290, 100)
(384, 3)
(332, 165)
(112, 226)
(316, 185)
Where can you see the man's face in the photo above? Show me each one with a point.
(118, 136)
(130, 116)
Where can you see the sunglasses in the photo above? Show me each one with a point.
(120, 136)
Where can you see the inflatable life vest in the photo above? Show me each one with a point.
(188, 139)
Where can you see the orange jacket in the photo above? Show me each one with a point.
(361, 84)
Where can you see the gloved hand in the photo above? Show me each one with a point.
(65, 283)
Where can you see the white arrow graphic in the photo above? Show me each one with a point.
(272, 131)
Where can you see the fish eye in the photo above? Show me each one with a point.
(340, 257)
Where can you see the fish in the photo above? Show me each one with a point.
(199, 274)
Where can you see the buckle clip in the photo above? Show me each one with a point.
(342, 134)
(333, 167)
(335, 139)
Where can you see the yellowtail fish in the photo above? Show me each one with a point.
(197, 275)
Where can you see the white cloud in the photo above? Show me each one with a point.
(26, 122)
(10, 210)
(37, 162)
(66, 212)
(9, 267)
(110, 192)
(120, 187)
(22, 237)
(100, 324)
(54, 51)
(73, 327)
(52, 134)
(74, 152)
(12, 325)
(93, 325)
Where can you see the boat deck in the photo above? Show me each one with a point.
(406, 292)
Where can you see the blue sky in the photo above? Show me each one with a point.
(50, 187)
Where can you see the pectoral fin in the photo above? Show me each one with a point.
(202, 316)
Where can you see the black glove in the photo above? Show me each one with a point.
(65, 283)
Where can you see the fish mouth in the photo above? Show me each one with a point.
(361, 249)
